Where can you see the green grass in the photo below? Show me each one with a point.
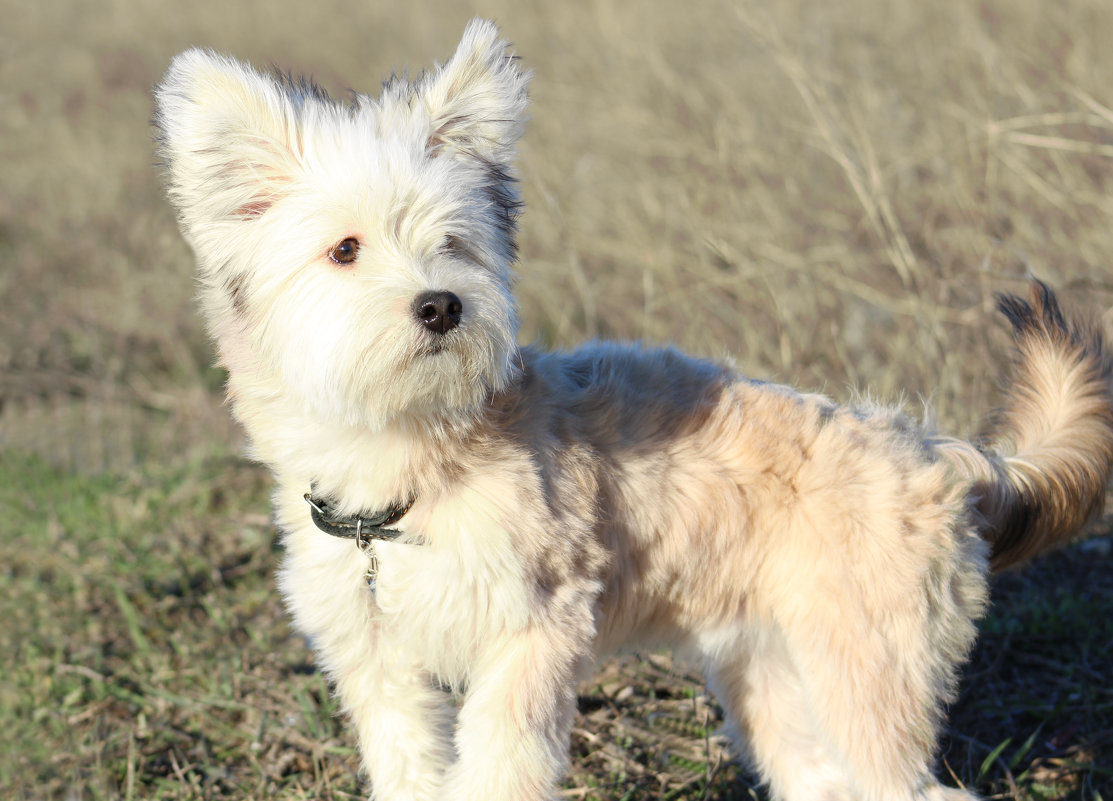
(831, 193)
(1041, 674)
(142, 626)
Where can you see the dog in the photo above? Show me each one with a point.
(458, 511)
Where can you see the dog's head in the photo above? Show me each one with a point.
(358, 255)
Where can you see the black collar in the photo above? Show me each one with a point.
(362, 527)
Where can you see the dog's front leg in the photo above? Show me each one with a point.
(404, 727)
(403, 722)
(514, 726)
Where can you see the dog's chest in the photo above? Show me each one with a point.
(443, 597)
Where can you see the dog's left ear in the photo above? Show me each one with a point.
(477, 101)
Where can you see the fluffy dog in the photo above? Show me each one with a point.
(504, 515)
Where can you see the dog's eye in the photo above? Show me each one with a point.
(345, 252)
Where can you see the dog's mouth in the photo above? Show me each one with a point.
(437, 345)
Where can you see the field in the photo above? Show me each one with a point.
(830, 193)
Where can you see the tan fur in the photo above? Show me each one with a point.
(824, 564)
(1042, 474)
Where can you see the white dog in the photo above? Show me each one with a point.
(504, 515)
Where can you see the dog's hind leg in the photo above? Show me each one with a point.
(845, 702)
(840, 738)
(876, 644)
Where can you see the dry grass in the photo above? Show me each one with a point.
(832, 194)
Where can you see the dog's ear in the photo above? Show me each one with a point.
(229, 137)
(477, 101)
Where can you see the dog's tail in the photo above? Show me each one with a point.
(1042, 473)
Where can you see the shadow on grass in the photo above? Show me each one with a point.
(1035, 717)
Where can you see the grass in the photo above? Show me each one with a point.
(148, 643)
(832, 194)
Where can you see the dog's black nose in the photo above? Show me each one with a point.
(440, 312)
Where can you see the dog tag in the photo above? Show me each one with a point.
(372, 567)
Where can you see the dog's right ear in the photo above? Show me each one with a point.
(228, 136)
(476, 102)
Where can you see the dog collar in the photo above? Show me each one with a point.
(362, 527)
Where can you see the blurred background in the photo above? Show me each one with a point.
(831, 194)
